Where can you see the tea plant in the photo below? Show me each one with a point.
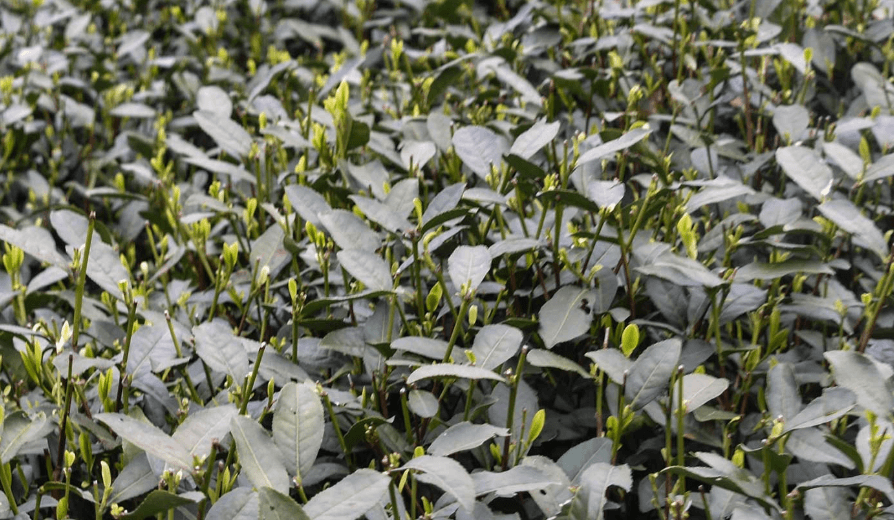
(432, 259)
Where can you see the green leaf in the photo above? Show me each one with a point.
(37, 242)
(367, 267)
(622, 143)
(533, 139)
(18, 430)
(220, 349)
(214, 99)
(226, 133)
(134, 110)
(446, 474)
(308, 203)
(605, 194)
(508, 483)
(479, 148)
(240, 503)
(859, 374)
(612, 362)
(269, 250)
(464, 436)
(417, 152)
(765, 271)
(791, 121)
(596, 480)
(698, 389)
(563, 317)
(650, 373)
(201, 429)
(298, 427)
(832, 404)
(427, 347)
(827, 503)
(880, 169)
(359, 135)
(452, 370)
(846, 216)
(260, 459)
(148, 438)
(581, 456)
(845, 158)
(803, 166)
(783, 398)
(349, 232)
(382, 214)
(422, 403)
(539, 357)
(446, 199)
(550, 498)
(349, 499)
(496, 344)
(135, 479)
(273, 505)
(629, 339)
(159, 501)
(467, 266)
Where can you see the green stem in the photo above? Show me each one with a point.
(457, 326)
(82, 281)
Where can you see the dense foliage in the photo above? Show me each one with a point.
(334, 259)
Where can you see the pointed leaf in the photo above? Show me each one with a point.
(580, 457)
(834, 403)
(508, 483)
(18, 430)
(159, 501)
(783, 398)
(791, 121)
(148, 438)
(427, 347)
(539, 357)
(803, 166)
(468, 266)
(698, 389)
(135, 479)
(533, 139)
(298, 427)
(349, 499)
(563, 317)
(846, 216)
(200, 430)
(495, 344)
(479, 148)
(273, 505)
(622, 143)
(422, 403)
(448, 475)
(37, 242)
(349, 232)
(464, 436)
(240, 503)
(651, 372)
(367, 267)
(228, 134)
(596, 480)
(220, 349)
(452, 370)
(859, 374)
(258, 456)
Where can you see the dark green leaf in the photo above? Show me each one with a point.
(157, 502)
